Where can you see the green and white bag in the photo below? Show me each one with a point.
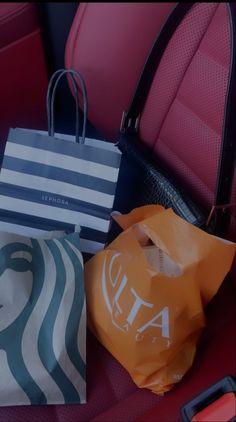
(42, 320)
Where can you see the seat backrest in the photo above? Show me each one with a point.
(183, 118)
(182, 121)
(108, 43)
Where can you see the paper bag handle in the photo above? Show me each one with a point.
(55, 78)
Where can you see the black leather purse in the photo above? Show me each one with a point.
(155, 185)
(145, 181)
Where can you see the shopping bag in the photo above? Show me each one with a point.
(42, 320)
(48, 182)
(147, 290)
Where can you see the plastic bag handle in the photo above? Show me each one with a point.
(51, 100)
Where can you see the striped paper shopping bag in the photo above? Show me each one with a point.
(49, 182)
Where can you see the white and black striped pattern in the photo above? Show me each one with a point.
(49, 184)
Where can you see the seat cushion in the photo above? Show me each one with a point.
(16, 21)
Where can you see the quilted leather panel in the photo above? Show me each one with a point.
(184, 113)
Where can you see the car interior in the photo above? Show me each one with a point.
(185, 116)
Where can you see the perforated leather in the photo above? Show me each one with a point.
(183, 117)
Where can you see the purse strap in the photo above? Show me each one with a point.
(130, 119)
(50, 100)
(220, 210)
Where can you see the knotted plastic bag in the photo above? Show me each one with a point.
(147, 290)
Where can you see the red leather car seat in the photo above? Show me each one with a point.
(183, 118)
(111, 65)
(182, 123)
(16, 21)
(23, 82)
(108, 43)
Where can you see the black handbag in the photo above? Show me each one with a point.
(145, 181)
(155, 185)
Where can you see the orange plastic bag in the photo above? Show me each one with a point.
(147, 290)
